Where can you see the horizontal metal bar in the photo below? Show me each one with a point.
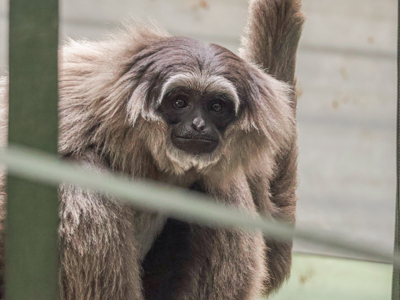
(178, 203)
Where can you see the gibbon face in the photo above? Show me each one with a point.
(197, 120)
(205, 107)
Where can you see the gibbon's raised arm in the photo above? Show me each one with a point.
(273, 32)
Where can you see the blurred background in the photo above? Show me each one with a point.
(347, 97)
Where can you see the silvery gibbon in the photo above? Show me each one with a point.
(194, 115)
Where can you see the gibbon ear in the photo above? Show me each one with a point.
(141, 104)
(136, 103)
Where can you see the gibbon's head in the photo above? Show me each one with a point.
(203, 106)
(143, 97)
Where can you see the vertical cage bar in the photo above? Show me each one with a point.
(31, 270)
(396, 270)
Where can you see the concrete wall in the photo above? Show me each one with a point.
(347, 87)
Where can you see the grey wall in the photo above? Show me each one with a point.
(346, 87)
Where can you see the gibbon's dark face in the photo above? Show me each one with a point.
(197, 89)
(197, 120)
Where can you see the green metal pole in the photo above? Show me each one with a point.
(31, 270)
(396, 270)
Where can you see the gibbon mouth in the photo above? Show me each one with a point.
(187, 139)
(194, 145)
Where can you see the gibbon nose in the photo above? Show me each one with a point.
(198, 124)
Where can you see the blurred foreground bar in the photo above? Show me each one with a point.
(32, 217)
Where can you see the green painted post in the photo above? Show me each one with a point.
(396, 270)
(31, 270)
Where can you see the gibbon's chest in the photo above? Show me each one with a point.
(148, 226)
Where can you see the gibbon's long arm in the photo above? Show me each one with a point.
(273, 33)
(96, 235)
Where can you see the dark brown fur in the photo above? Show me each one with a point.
(109, 94)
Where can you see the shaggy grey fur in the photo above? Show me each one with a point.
(109, 95)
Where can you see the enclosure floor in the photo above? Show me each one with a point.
(327, 278)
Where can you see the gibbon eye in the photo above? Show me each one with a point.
(180, 103)
(217, 107)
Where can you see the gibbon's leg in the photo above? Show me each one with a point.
(273, 34)
(225, 263)
(98, 250)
